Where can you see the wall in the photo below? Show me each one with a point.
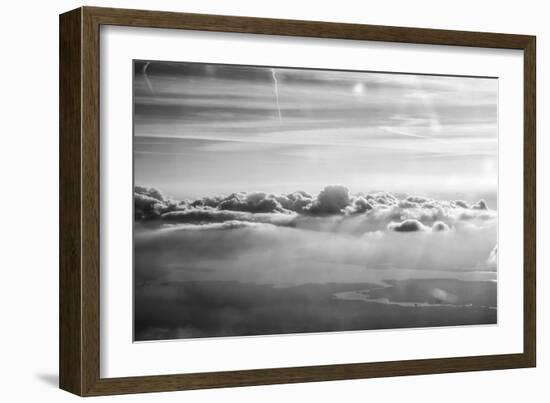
(29, 203)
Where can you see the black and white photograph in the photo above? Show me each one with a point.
(280, 200)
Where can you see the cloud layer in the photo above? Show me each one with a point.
(334, 209)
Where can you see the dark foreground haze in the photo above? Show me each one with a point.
(214, 309)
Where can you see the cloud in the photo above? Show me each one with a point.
(477, 214)
(312, 249)
(297, 201)
(207, 202)
(150, 192)
(417, 199)
(208, 215)
(440, 226)
(150, 203)
(257, 202)
(146, 207)
(205, 215)
(407, 204)
(493, 256)
(331, 200)
(409, 225)
(358, 205)
(334, 209)
(383, 198)
(225, 225)
(480, 205)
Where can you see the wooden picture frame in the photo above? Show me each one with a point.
(80, 187)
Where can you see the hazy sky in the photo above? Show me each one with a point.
(203, 129)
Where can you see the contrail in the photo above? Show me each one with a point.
(146, 77)
(276, 93)
(401, 132)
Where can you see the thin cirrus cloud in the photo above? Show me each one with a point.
(240, 96)
(354, 126)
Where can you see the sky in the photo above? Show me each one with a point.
(205, 129)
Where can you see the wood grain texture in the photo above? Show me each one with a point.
(530, 202)
(317, 29)
(80, 201)
(70, 271)
(90, 202)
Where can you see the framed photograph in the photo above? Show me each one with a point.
(249, 201)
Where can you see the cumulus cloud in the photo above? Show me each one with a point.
(383, 198)
(358, 205)
(334, 209)
(480, 205)
(440, 226)
(331, 200)
(417, 199)
(146, 207)
(257, 202)
(407, 204)
(297, 201)
(150, 203)
(206, 202)
(410, 225)
(150, 192)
